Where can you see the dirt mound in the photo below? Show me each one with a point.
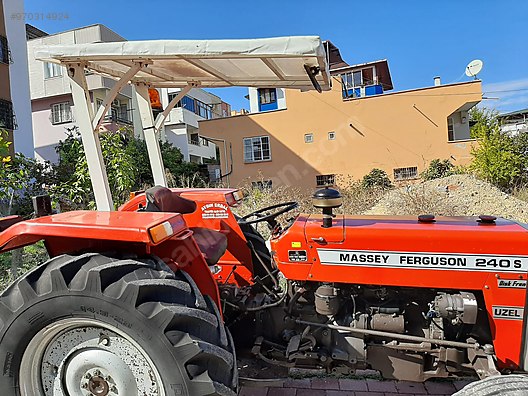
(457, 195)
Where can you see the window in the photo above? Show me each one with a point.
(257, 149)
(187, 103)
(7, 117)
(267, 95)
(123, 113)
(262, 185)
(331, 136)
(196, 106)
(324, 180)
(308, 137)
(194, 139)
(450, 129)
(405, 173)
(359, 78)
(52, 70)
(204, 110)
(4, 50)
(60, 113)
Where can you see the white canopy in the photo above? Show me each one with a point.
(284, 62)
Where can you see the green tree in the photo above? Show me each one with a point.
(496, 158)
(74, 188)
(127, 165)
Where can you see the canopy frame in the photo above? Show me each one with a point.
(90, 121)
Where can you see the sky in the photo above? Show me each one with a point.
(420, 39)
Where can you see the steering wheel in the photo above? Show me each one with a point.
(262, 215)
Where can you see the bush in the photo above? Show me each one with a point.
(438, 169)
(20, 179)
(496, 159)
(376, 178)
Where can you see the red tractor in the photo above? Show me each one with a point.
(136, 301)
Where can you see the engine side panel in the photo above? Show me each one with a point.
(452, 254)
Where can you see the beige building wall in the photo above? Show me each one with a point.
(389, 131)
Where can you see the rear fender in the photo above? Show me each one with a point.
(128, 232)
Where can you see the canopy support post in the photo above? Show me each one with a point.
(90, 140)
(151, 137)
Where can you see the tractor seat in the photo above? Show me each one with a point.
(161, 199)
(212, 244)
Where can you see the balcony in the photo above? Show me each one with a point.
(197, 140)
(359, 89)
(118, 119)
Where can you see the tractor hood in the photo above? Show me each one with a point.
(315, 232)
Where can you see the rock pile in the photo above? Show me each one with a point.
(457, 195)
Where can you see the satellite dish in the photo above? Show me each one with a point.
(474, 67)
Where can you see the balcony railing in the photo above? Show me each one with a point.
(119, 119)
(198, 141)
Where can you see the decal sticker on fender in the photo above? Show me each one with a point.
(214, 211)
(511, 313)
(511, 283)
(416, 260)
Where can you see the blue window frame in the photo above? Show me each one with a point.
(267, 98)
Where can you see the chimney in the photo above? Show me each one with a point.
(437, 82)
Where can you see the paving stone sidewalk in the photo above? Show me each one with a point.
(353, 387)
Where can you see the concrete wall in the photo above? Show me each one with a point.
(389, 131)
(18, 75)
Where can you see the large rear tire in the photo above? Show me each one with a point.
(96, 325)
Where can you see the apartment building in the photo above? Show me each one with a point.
(181, 127)
(308, 140)
(15, 111)
(51, 100)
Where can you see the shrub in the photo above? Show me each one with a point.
(376, 178)
(438, 169)
(496, 159)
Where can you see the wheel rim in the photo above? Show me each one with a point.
(86, 357)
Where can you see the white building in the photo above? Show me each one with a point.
(51, 99)
(181, 126)
(514, 122)
(13, 12)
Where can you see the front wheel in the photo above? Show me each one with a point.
(96, 325)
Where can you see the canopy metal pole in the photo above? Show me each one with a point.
(149, 131)
(92, 145)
